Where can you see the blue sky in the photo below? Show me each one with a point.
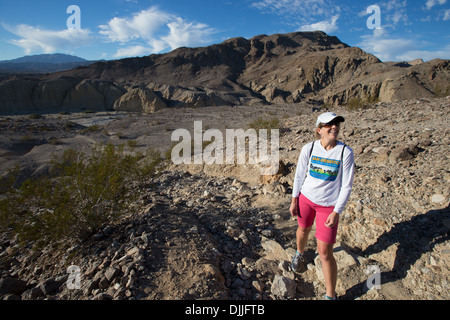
(116, 29)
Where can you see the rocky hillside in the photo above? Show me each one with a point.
(221, 232)
(281, 68)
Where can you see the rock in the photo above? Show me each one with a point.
(11, 297)
(403, 153)
(243, 273)
(274, 251)
(33, 294)
(283, 265)
(246, 261)
(210, 271)
(111, 273)
(283, 287)
(437, 198)
(387, 257)
(102, 296)
(51, 285)
(382, 155)
(9, 285)
(103, 283)
(139, 100)
(238, 283)
(257, 285)
(273, 188)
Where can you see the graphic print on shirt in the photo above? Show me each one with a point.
(324, 169)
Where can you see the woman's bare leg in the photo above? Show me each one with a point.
(329, 266)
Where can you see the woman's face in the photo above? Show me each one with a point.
(329, 131)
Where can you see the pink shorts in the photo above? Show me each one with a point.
(310, 211)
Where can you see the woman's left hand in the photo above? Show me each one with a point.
(332, 219)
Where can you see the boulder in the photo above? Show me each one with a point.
(403, 153)
(139, 100)
(11, 285)
(274, 251)
(51, 285)
(283, 287)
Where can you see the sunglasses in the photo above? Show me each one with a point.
(332, 123)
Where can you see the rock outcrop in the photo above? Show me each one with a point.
(139, 100)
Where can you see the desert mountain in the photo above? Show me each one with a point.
(46, 58)
(280, 68)
(42, 63)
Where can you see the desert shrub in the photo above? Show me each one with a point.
(262, 123)
(356, 103)
(132, 143)
(265, 124)
(35, 116)
(78, 197)
(442, 90)
(92, 129)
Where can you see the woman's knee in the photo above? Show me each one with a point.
(304, 232)
(325, 250)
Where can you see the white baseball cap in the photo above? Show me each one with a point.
(328, 117)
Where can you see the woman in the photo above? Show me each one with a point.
(322, 186)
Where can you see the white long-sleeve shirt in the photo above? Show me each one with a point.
(322, 178)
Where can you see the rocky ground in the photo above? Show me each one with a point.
(223, 232)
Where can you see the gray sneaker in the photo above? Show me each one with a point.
(298, 258)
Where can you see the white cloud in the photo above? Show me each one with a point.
(447, 15)
(386, 49)
(327, 26)
(133, 51)
(152, 31)
(303, 10)
(184, 33)
(34, 39)
(431, 3)
(399, 49)
(394, 12)
(426, 55)
(142, 25)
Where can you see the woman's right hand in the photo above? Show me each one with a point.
(294, 207)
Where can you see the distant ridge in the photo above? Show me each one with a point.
(43, 63)
(46, 58)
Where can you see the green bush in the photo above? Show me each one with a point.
(442, 90)
(80, 195)
(262, 123)
(356, 103)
